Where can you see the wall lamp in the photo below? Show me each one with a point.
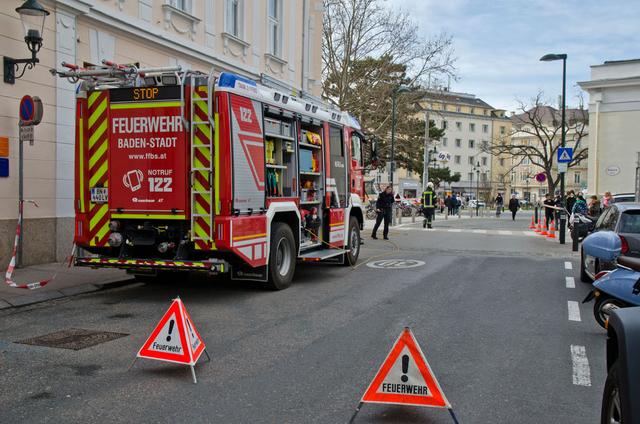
(32, 15)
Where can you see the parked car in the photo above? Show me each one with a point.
(473, 203)
(622, 387)
(623, 219)
(623, 198)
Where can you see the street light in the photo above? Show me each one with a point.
(394, 94)
(477, 169)
(32, 15)
(550, 58)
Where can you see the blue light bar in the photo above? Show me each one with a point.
(236, 81)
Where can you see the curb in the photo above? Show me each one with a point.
(32, 298)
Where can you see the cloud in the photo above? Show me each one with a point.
(498, 44)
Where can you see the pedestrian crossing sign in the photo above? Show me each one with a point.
(565, 154)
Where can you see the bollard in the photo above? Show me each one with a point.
(413, 215)
(574, 236)
(399, 215)
(535, 214)
(394, 210)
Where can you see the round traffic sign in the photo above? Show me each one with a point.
(27, 108)
(541, 177)
(395, 263)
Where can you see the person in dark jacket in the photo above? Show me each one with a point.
(549, 212)
(571, 200)
(384, 206)
(428, 205)
(514, 205)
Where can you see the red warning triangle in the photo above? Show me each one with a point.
(405, 377)
(175, 338)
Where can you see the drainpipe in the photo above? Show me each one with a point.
(595, 147)
(305, 47)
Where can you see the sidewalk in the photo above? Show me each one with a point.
(68, 282)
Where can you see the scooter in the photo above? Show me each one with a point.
(615, 289)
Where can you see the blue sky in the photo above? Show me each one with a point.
(498, 43)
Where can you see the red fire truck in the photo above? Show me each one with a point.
(183, 171)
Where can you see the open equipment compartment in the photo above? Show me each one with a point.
(311, 178)
(281, 179)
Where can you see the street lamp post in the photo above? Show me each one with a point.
(549, 58)
(394, 94)
(477, 169)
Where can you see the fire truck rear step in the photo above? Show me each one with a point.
(322, 254)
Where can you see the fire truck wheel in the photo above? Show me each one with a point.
(282, 257)
(353, 245)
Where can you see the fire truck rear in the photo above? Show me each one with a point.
(183, 171)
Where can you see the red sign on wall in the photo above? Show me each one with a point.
(147, 158)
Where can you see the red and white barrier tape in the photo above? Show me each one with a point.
(12, 264)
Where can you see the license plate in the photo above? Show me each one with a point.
(99, 194)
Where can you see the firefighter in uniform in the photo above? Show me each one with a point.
(428, 204)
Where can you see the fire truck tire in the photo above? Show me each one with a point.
(353, 243)
(282, 257)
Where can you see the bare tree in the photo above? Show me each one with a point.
(536, 136)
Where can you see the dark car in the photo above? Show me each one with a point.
(623, 219)
(622, 388)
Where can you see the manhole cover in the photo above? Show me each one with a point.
(73, 338)
(395, 263)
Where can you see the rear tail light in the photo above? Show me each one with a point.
(624, 249)
(601, 274)
(115, 239)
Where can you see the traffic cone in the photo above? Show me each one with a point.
(538, 226)
(532, 226)
(543, 231)
(552, 230)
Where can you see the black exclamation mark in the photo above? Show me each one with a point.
(405, 368)
(170, 330)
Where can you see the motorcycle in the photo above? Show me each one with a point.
(615, 289)
(583, 225)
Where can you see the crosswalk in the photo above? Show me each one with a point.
(468, 231)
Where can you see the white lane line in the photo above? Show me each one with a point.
(455, 230)
(479, 231)
(574, 310)
(568, 265)
(504, 232)
(530, 233)
(571, 282)
(581, 371)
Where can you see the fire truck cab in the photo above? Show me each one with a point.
(183, 171)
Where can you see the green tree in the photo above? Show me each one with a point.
(442, 175)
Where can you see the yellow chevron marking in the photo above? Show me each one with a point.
(81, 161)
(97, 113)
(99, 173)
(95, 135)
(216, 144)
(102, 150)
(92, 97)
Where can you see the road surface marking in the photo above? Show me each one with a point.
(504, 232)
(567, 265)
(530, 233)
(574, 310)
(455, 230)
(581, 372)
(571, 282)
(479, 231)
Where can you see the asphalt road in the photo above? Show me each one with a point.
(490, 311)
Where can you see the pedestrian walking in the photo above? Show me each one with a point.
(428, 205)
(384, 206)
(454, 204)
(580, 206)
(447, 203)
(499, 204)
(514, 205)
(594, 207)
(549, 204)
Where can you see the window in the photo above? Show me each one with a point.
(525, 161)
(184, 5)
(444, 141)
(630, 222)
(484, 176)
(472, 127)
(485, 128)
(274, 20)
(472, 111)
(356, 148)
(576, 177)
(484, 161)
(485, 144)
(459, 126)
(470, 176)
(470, 160)
(501, 162)
(233, 22)
(472, 144)
(503, 130)
(486, 111)
(501, 178)
(444, 125)
(458, 142)
(456, 159)
(458, 108)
